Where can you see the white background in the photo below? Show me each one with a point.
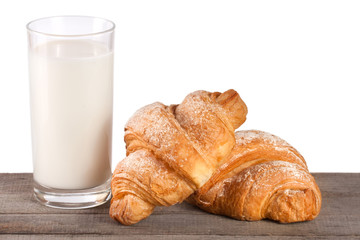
(296, 64)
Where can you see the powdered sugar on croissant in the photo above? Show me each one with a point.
(172, 151)
(263, 177)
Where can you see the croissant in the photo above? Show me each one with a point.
(263, 177)
(172, 151)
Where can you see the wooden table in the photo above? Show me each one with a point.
(21, 217)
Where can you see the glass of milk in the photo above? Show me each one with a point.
(71, 100)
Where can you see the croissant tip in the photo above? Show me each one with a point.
(130, 209)
(231, 101)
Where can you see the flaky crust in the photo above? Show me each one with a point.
(172, 151)
(263, 177)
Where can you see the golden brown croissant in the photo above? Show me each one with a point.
(263, 177)
(172, 151)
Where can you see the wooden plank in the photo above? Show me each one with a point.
(163, 237)
(17, 190)
(168, 224)
(174, 225)
(20, 183)
(26, 204)
(20, 215)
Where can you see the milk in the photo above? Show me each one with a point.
(71, 94)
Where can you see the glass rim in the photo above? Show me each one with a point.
(28, 27)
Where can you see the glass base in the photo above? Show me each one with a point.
(73, 199)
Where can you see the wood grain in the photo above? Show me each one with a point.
(21, 217)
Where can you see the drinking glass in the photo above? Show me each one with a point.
(71, 101)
